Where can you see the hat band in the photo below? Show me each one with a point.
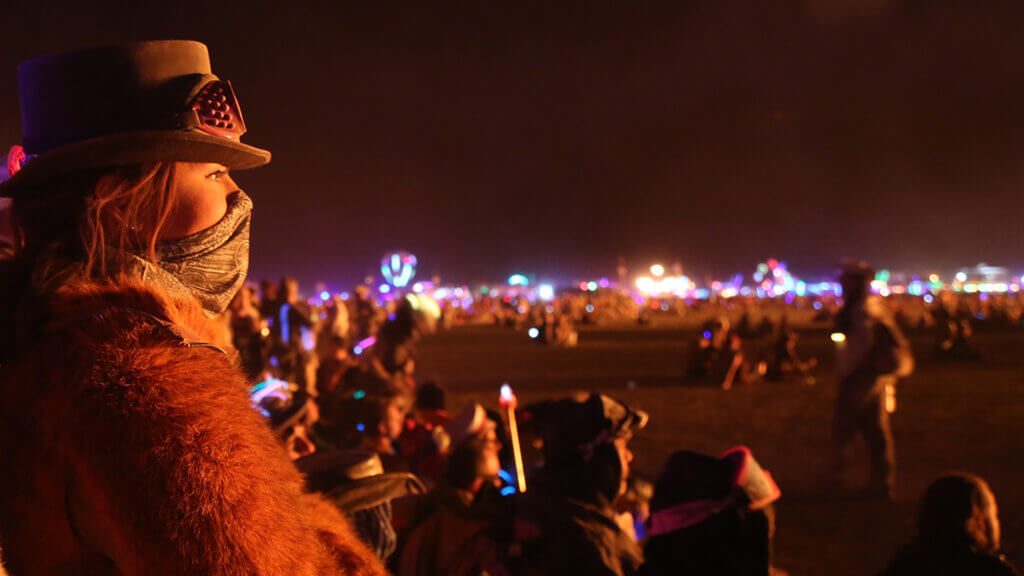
(683, 516)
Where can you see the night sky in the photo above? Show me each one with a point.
(554, 137)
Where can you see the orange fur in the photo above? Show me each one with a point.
(128, 453)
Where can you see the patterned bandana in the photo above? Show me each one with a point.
(209, 265)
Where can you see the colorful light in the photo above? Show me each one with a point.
(398, 268)
(658, 270)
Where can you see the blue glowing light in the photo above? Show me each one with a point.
(359, 394)
(508, 490)
(286, 333)
(361, 427)
(533, 332)
(325, 295)
(518, 280)
(707, 334)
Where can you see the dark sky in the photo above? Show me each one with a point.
(552, 137)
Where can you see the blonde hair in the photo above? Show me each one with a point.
(95, 218)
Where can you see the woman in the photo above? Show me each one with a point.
(129, 442)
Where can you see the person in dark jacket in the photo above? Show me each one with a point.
(566, 522)
(711, 517)
(958, 533)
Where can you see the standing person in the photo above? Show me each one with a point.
(567, 513)
(871, 353)
(958, 533)
(130, 444)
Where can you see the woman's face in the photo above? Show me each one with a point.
(394, 417)
(202, 199)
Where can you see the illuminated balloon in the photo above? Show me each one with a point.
(398, 268)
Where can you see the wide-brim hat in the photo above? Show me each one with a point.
(579, 424)
(355, 480)
(124, 104)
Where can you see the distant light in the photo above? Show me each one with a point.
(508, 490)
(604, 283)
(384, 288)
(484, 289)
(546, 292)
(817, 306)
(518, 280)
(590, 308)
(707, 334)
(265, 332)
(417, 287)
(961, 276)
(658, 270)
(928, 298)
(361, 427)
(344, 295)
(533, 332)
(838, 337)
(933, 278)
(325, 295)
(592, 286)
(359, 394)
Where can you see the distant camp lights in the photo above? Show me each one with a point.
(838, 337)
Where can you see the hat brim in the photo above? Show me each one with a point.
(127, 148)
(371, 491)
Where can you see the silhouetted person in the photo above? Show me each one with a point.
(958, 533)
(871, 353)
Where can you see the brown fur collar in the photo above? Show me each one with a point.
(130, 454)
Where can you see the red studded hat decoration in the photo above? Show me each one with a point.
(218, 111)
(15, 160)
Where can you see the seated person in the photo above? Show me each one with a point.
(717, 358)
(355, 482)
(785, 361)
(958, 532)
(711, 516)
(566, 523)
(369, 414)
(452, 534)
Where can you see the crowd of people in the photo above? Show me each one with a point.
(158, 416)
(438, 492)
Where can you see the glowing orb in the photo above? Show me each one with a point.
(838, 337)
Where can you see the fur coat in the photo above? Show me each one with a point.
(130, 447)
